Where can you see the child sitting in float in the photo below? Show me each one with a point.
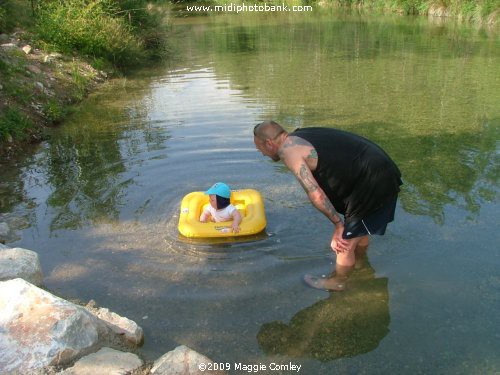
(220, 208)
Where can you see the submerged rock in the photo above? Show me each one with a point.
(20, 263)
(4, 230)
(40, 329)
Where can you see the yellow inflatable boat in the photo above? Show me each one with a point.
(247, 201)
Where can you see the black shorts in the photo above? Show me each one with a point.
(375, 223)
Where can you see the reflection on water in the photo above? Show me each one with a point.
(345, 324)
(99, 201)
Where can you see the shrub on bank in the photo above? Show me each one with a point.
(92, 27)
(14, 124)
(469, 10)
(3, 18)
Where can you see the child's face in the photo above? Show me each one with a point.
(213, 200)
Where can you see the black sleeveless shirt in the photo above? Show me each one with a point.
(357, 176)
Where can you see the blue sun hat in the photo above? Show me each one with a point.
(220, 189)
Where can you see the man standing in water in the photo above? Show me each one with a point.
(342, 173)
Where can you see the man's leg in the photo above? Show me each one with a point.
(348, 258)
(343, 267)
(363, 242)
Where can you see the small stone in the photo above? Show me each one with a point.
(124, 327)
(27, 49)
(55, 55)
(183, 360)
(34, 69)
(8, 46)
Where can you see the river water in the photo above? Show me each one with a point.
(99, 200)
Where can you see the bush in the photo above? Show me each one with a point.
(13, 123)
(15, 13)
(3, 18)
(147, 25)
(93, 27)
(4, 6)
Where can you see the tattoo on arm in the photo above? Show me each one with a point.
(306, 179)
(313, 154)
(329, 207)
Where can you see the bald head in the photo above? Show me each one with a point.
(267, 130)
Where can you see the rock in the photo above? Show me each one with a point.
(34, 69)
(105, 361)
(40, 86)
(128, 329)
(4, 38)
(39, 329)
(20, 263)
(55, 55)
(182, 361)
(4, 230)
(27, 49)
(8, 46)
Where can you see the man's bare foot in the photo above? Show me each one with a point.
(333, 283)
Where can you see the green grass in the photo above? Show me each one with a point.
(54, 111)
(88, 27)
(14, 123)
(15, 13)
(469, 10)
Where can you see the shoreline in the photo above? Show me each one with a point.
(38, 90)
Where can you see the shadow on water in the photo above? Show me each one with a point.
(345, 324)
(222, 247)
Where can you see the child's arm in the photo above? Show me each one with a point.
(236, 221)
(205, 216)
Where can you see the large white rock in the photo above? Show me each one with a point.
(18, 262)
(183, 361)
(123, 327)
(38, 329)
(105, 361)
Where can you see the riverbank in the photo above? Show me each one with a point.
(52, 54)
(38, 88)
(483, 12)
